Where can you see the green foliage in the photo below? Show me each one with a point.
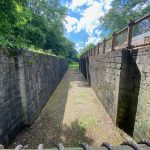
(41, 51)
(12, 43)
(88, 122)
(74, 65)
(13, 15)
(26, 23)
(90, 46)
(35, 36)
(121, 13)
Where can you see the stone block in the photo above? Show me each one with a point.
(147, 59)
(118, 59)
(146, 68)
(29, 86)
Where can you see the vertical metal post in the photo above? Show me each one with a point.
(92, 51)
(104, 42)
(113, 41)
(98, 49)
(130, 29)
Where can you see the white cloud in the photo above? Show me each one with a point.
(93, 39)
(66, 4)
(71, 23)
(89, 17)
(79, 46)
(79, 3)
(97, 32)
(89, 20)
(107, 5)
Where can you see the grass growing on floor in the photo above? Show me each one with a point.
(74, 65)
(88, 122)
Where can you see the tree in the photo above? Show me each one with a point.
(35, 23)
(13, 14)
(121, 12)
(70, 51)
(89, 46)
(51, 10)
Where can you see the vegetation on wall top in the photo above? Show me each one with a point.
(38, 24)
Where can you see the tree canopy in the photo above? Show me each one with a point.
(88, 47)
(25, 23)
(121, 12)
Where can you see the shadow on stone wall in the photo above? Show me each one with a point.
(46, 129)
(26, 82)
(130, 79)
(49, 128)
(84, 68)
(11, 111)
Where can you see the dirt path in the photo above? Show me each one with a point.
(72, 115)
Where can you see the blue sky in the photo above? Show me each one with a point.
(82, 20)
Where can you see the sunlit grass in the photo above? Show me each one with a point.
(88, 122)
(74, 65)
(41, 51)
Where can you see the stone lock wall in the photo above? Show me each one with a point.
(11, 111)
(104, 73)
(26, 83)
(121, 80)
(141, 87)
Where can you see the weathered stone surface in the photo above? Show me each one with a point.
(121, 80)
(105, 80)
(25, 86)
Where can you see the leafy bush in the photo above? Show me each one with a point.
(35, 35)
(41, 25)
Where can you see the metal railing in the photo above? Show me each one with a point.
(126, 145)
(136, 34)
